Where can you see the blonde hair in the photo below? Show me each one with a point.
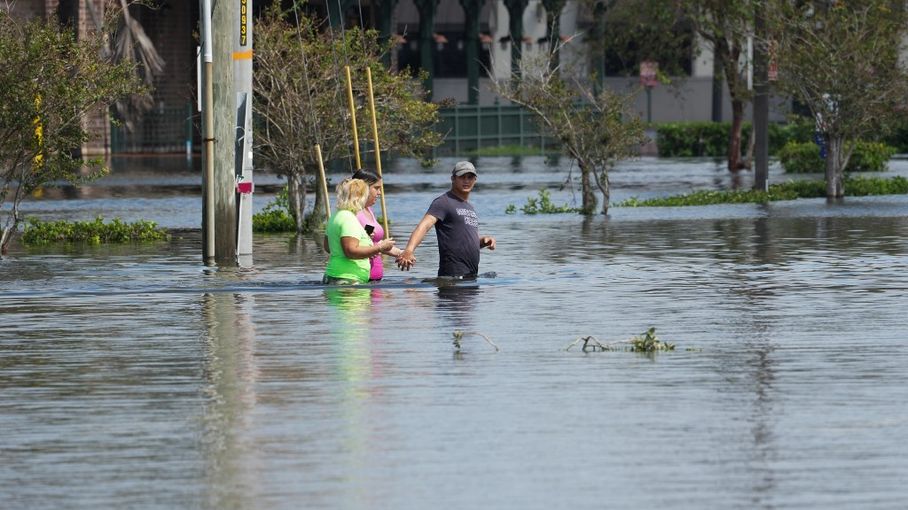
(352, 194)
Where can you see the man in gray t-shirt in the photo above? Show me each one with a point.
(456, 226)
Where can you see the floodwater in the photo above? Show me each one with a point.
(136, 377)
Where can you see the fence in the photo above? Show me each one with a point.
(469, 128)
(160, 130)
(466, 128)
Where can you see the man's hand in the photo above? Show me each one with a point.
(405, 260)
(487, 242)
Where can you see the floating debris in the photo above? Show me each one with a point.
(458, 337)
(645, 342)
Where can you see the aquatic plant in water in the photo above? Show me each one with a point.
(39, 232)
(541, 205)
(646, 342)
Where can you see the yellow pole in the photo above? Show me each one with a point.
(384, 209)
(359, 163)
(321, 174)
(39, 134)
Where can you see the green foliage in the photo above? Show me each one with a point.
(870, 157)
(628, 32)
(867, 186)
(897, 136)
(791, 190)
(541, 205)
(301, 99)
(692, 139)
(595, 128)
(39, 232)
(50, 81)
(801, 157)
(710, 139)
(842, 61)
(648, 342)
(805, 157)
(275, 217)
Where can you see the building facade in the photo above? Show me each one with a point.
(461, 43)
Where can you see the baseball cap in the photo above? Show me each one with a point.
(464, 167)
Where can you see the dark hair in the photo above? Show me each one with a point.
(366, 175)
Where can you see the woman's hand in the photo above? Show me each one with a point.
(386, 245)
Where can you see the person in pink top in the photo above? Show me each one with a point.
(367, 219)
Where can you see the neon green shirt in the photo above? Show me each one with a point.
(344, 224)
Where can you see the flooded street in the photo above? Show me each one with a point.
(137, 377)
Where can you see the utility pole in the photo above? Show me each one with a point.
(227, 131)
(242, 59)
(761, 105)
(207, 109)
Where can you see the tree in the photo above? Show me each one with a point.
(128, 41)
(638, 30)
(50, 81)
(627, 32)
(301, 101)
(726, 25)
(596, 129)
(841, 60)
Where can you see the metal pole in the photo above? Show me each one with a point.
(208, 134)
(242, 65)
(324, 180)
(649, 105)
(761, 107)
(384, 210)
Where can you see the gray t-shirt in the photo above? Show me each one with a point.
(457, 229)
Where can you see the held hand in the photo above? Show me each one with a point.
(405, 260)
(487, 242)
(386, 245)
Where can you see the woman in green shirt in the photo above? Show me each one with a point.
(347, 242)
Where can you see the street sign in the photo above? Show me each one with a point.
(649, 71)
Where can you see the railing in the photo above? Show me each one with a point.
(468, 128)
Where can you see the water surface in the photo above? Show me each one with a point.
(136, 377)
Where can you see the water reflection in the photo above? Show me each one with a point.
(457, 302)
(232, 374)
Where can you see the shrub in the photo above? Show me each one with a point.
(870, 157)
(804, 157)
(710, 139)
(275, 217)
(801, 158)
(692, 139)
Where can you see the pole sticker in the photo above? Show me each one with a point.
(244, 13)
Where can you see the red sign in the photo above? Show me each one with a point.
(773, 71)
(649, 72)
(244, 187)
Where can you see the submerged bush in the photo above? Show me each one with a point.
(39, 232)
(791, 190)
(275, 217)
(804, 157)
(541, 205)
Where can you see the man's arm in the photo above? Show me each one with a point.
(406, 259)
(487, 242)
